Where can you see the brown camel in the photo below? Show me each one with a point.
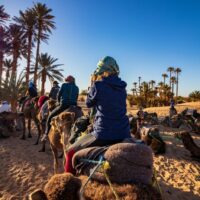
(151, 136)
(42, 117)
(8, 120)
(60, 131)
(30, 110)
(66, 187)
(189, 144)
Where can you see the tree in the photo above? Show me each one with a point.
(3, 15)
(177, 71)
(17, 46)
(27, 20)
(48, 69)
(139, 83)
(164, 75)
(4, 48)
(195, 95)
(173, 82)
(13, 90)
(44, 26)
(152, 82)
(170, 70)
(7, 68)
(135, 87)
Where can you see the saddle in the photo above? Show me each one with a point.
(129, 162)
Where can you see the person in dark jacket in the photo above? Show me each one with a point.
(107, 96)
(32, 90)
(67, 96)
(54, 90)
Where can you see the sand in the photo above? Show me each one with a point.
(23, 169)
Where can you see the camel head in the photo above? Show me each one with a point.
(51, 104)
(60, 186)
(64, 122)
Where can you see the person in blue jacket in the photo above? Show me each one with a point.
(107, 96)
(67, 96)
(32, 90)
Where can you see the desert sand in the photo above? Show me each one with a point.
(23, 168)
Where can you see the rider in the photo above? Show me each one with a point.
(32, 90)
(5, 107)
(54, 90)
(31, 93)
(108, 96)
(67, 96)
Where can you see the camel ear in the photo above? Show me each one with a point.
(38, 195)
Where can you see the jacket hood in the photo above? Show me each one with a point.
(115, 82)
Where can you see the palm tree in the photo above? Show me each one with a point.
(17, 44)
(164, 75)
(7, 68)
(48, 69)
(152, 82)
(135, 87)
(170, 70)
(139, 83)
(4, 48)
(173, 81)
(27, 20)
(44, 26)
(195, 95)
(177, 71)
(14, 89)
(3, 15)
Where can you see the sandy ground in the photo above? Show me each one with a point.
(23, 168)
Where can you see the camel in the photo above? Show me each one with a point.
(151, 137)
(189, 144)
(60, 186)
(30, 111)
(42, 117)
(67, 187)
(7, 121)
(60, 125)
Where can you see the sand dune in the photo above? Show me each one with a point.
(23, 168)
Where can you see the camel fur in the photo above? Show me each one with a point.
(67, 187)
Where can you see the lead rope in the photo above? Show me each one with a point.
(157, 184)
(104, 165)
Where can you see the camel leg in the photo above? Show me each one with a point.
(43, 147)
(44, 142)
(23, 122)
(39, 131)
(29, 128)
(55, 157)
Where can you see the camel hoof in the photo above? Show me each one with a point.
(22, 138)
(41, 150)
(29, 136)
(35, 143)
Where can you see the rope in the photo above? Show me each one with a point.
(157, 184)
(104, 165)
(94, 170)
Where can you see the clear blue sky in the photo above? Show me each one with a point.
(144, 36)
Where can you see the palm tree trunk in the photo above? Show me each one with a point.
(7, 76)
(177, 85)
(37, 55)
(43, 83)
(1, 67)
(164, 80)
(170, 82)
(173, 88)
(28, 58)
(14, 65)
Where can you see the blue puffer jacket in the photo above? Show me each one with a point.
(108, 97)
(68, 94)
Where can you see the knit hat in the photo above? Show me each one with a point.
(107, 64)
(70, 79)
